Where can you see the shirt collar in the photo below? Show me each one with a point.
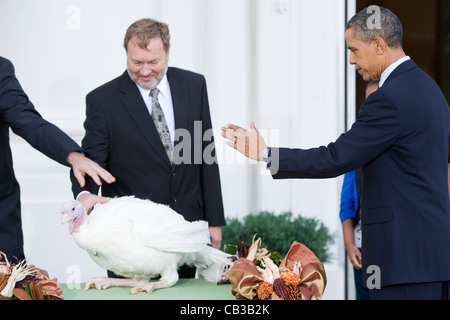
(163, 87)
(386, 73)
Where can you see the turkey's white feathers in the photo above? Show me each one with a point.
(154, 225)
(138, 239)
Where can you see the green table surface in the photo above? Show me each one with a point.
(185, 289)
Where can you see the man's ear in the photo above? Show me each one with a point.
(379, 45)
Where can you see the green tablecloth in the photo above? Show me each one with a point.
(185, 289)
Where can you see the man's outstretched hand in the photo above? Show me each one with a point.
(249, 143)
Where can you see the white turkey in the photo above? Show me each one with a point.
(139, 239)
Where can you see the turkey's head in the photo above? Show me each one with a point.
(74, 213)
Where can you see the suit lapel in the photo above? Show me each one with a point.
(179, 99)
(133, 102)
(179, 93)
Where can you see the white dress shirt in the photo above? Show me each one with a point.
(165, 100)
(386, 73)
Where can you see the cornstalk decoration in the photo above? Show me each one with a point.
(14, 274)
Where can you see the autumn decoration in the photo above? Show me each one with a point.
(260, 274)
(20, 281)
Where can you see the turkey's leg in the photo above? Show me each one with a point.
(148, 286)
(104, 283)
(168, 278)
(137, 285)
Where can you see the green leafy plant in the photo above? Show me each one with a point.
(277, 232)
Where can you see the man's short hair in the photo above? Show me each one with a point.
(145, 30)
(388, 27)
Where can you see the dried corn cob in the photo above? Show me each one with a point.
(294, 292)
(265, 290)
(280, 288)
(3, 280)
(290, 278)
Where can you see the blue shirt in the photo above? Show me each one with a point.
(349, 197)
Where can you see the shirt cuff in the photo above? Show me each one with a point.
(82, 193)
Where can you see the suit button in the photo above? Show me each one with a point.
(174, 200)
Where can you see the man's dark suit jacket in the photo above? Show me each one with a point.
(122, 138)
(401, 141)
(19, 114)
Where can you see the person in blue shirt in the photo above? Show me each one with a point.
(350, 216)
(351, 227)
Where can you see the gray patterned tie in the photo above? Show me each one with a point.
(160, 123)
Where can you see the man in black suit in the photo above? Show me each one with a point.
(19, 114)
(400, 141)
(178, 168)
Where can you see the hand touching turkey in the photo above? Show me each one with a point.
(82, 166)
(140, 239)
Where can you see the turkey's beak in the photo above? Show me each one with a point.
(65, 218)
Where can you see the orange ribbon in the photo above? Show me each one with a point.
(313, 274)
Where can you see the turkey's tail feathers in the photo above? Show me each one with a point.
(212, 264)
